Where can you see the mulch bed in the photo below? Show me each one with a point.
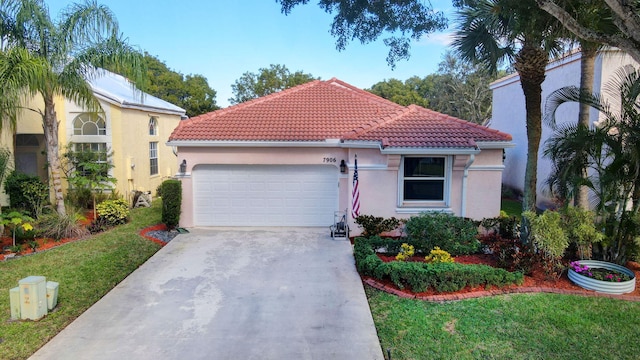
(536, 282)
(46, 244)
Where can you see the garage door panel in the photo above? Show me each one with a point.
(265, 195)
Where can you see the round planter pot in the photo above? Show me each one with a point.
(609, 287)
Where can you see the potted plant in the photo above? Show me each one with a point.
(602, 276)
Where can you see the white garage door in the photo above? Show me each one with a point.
(265, 195)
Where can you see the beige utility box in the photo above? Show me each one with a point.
(52, 294)
(14, 297)
(33, 297)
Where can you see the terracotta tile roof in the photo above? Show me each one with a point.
(420, 127)
(332, 109)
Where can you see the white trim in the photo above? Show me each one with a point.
(430, 151)
(487, 168)
(260, 143)
(485, 145)
(329, 143)
(368, 167)
(416, 210)
(446, 189)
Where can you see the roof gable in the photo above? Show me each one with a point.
(332, 109)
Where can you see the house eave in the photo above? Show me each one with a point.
(248, 143)
(430, 151)
(338, 144)
(487, 145)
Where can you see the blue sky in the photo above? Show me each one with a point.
(222, 39)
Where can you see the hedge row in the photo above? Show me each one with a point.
(420, 277)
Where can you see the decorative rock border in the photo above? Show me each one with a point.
(145, 231)
(441, 298)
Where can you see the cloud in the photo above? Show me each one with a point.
(440, 38)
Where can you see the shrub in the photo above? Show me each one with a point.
(372, 225)
(98, 225)
(12, 186)
(420, 277)
(171, 201)
(406, 252)
(511, 254)
(57, 227)
(581, 229)
(456, 235)
(507, 227)
(114, 212)
(438, 255)
(548, 235)
(15, 221)
(27, 192)
(80, 197)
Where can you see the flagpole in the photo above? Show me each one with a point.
(355, 191)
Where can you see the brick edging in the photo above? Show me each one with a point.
(482, 293)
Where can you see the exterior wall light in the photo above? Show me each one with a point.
(183, 166)
(343, 167)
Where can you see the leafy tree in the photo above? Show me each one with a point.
(492, 31)
(266, 81)
(61, 56)
(459, 88)
(190, 92)
(619, 19)
(403, 93)
(610, 151)
(367, 20)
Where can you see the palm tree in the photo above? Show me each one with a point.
(67, 54)
(492, 31)
(611, 151)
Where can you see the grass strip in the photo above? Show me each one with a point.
(86, 270)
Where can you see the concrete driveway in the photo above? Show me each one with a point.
(218, 293)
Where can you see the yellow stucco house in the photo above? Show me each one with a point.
(135, 126)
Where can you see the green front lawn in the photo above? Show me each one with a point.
(523, 326)
(86, 271)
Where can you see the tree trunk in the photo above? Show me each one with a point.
(587, 66)
(50, 125)
(531, 64)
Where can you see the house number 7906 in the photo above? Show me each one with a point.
(329, 160)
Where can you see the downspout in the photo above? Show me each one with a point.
(465, 175)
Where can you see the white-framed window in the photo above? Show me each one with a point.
(89, 124)
(424, 179)
(153, 125)
(153, 158)
(99, 148)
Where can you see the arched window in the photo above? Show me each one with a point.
(89, 124)
(153, 125)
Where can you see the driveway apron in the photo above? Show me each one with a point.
(223, 293)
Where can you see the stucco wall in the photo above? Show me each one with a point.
(130, 142)
(378, 176)
(509, 113)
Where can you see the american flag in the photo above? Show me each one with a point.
(355, 194)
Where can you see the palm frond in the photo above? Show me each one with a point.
(572, 94)
(87, 22)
